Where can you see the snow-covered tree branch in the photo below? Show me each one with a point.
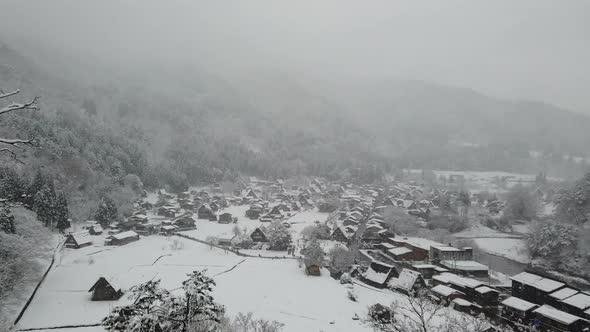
(14, 142)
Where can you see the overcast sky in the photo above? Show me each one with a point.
(523, 49)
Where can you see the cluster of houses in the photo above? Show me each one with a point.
(546, 304)
(450, 275)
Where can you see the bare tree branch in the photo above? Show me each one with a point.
(32, 105)
(8, 94)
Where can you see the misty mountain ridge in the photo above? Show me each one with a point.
(313, 126)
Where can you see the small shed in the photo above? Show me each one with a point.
(102, 290)
(78, 240)
(258, 236)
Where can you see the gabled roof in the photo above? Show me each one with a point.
(406, 280)
(124, 235)
(444, 290)
(518, 304)
(82, 237)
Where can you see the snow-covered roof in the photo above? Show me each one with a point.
(376, 277)
(518, 304)
(580, 301)
(424, 266)
(526, 278)
(124, 235)
(446, 248)
(563, 293)
(82, 237)
(547, 285)
(556, 315)
(461, 302)
(538, 282)
(444, 290)
(399, 251)
(484, 290)
(405, 281)
(454, 279)
(387, 245)
(418, 242)
(168, 228)
(464, 265)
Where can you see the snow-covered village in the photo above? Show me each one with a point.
(294, 166)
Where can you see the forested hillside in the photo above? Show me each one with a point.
(114, 133)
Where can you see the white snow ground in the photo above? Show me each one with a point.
(271, 289)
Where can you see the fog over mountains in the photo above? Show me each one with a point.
(303, 124)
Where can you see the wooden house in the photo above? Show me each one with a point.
(122, 238)
(167, 229)
(534, 288)
(251, 194)
(556, 297)
(340, 235)
(205, 212)
(517, 310)
(486, 296)
(552, 319)
(444, 295)
(78, 240)
(576, 304)
(275, 213)
(167, 211)
(185, 223)
(102, 290)
(466, 268)
(408, 282)
(465, 285)
(400, 253)
(378, 274)
(225, 218)
(258, 236)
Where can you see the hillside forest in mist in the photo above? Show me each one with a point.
(176, 127)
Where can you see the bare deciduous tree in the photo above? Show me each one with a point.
(16, 143)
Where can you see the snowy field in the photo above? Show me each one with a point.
(272, 289)
(514, 249)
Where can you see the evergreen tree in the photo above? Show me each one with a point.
(7, 221)
(107, 212)
(44, 204)
(38, 182)
(62, 213)
(12, 187)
